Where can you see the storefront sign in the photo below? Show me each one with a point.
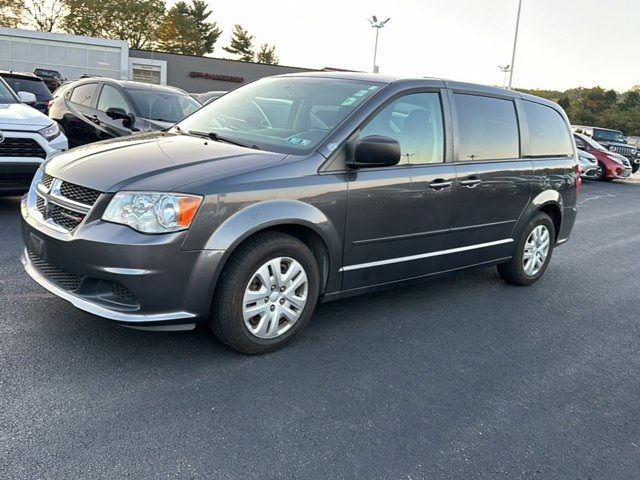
(216, 76)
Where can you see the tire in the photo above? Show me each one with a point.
(515, 271)
(635, 167)
(601, 174)
(246, 277)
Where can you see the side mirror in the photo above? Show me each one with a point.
(117, 113)
(27, 97)
(375, 151)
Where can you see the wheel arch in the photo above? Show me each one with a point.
(547, 201)
(293, 217)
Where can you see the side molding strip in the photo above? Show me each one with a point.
(424, 255)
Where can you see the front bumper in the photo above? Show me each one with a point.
(619, 172)
(114, 272)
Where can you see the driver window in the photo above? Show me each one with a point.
(415, 121)
(112, 98)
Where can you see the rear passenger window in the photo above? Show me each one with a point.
(548, 132)
(487, 128)
(415, 121)
(83, 95)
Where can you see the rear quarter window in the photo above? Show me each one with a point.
(83, 94)
(549, 135)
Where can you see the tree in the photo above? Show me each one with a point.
(44, 15)
(10, 12)
(186, 29)
(267, 54)
(241, 44)
(135, 21)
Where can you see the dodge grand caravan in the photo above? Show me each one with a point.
(297, 188)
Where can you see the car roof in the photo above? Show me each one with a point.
(131, 84)
(22, 75)
(425, 82)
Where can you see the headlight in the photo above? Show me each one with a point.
(50, 132)
(153, 212)
(615, 159)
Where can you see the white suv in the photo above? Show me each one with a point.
(27, 138)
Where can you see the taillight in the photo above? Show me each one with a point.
(579, 180)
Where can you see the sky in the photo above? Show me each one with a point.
(562, 43)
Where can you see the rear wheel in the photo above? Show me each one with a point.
(601, 173)
(266, 294)
(533, 252)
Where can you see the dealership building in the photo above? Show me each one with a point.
(74, 55)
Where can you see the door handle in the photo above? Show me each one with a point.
(94, 119)
(440, 184)
(470, 182)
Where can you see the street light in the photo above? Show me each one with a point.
(377, 25)
(515, 42)
(506, 69)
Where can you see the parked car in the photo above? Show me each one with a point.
(52, 78)
(208, 97)
(100, 108)
(27, 138)
(612, 140)
(588, 165)
(611, 165)
(223, 219)
(28, 82)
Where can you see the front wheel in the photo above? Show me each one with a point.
(266, 294)
(635, 167)
(601, 173)
(533, 252)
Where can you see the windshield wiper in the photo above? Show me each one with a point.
(217, 138)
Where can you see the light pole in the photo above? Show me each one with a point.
(506, 69)
(515, 42)
(377, 25)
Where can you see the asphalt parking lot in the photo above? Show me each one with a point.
(465, 377)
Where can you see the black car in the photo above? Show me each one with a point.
(52, 78)
(100, 108)
(28, 82)
(297, 188)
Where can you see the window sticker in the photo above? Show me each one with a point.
(349, 101)
(299, 142)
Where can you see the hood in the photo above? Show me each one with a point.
(18, 116)
(608, 143)
(154, 162)
(586, 157)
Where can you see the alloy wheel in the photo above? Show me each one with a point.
(536, 250)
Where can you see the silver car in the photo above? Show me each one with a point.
(588, 165)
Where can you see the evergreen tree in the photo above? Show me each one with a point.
(241, 44)
(267, 54)
(186, 29)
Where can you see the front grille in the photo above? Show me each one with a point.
(67, 219)
(123, 292)
(79, 194)
(49, 204)
(64, 280)
(46, 180)
(626, 151)
(21, 147)
(40, 204)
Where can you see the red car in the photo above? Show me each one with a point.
(610, 165)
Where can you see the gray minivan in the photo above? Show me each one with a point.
(297, 188)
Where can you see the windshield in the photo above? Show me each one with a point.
(6, 96)
(283, 114)
(35, 86)
(608, 135)
(46, 73)
(163, 106)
